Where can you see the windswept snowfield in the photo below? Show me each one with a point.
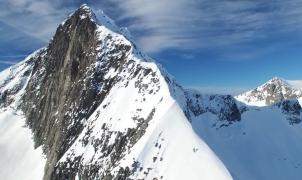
(19, 160)
(263, 145)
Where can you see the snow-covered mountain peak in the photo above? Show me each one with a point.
(86, 9)
(83, 12)
(98, 16)
(271, 92)
(87, 19)
(276, 80)
(101, 109)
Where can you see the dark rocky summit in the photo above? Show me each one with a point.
(66, 87)
(61, 83)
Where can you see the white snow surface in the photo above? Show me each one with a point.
(19, 160)
(263, 145)
(184, 155)
(300, 101)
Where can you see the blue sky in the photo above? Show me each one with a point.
(222, 46)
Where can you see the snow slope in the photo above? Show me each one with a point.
(253, 142)
(169, 149)
(19, 160)
(263, 145)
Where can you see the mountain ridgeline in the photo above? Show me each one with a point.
(102, 109)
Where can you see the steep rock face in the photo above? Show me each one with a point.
(69, 82)
(224, 106)
(63, 80)
(275, 90)
(101, 110)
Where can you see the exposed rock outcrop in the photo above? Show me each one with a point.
(224, 106)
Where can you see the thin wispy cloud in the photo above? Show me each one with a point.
(204, 37)
(187, 24)
(158, 25)
(8, 62)
(36, 18)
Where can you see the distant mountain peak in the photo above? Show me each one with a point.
(294, 84)
(277, 80)
(271, 92)
(276, 84)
